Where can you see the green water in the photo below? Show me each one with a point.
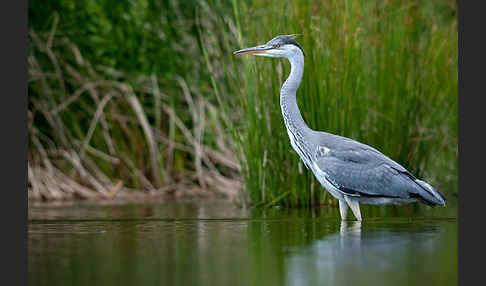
(216, 243)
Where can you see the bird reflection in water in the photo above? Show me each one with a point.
(368, 255)
(350, 234)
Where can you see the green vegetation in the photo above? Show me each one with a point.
(120, 100)
(381, 72)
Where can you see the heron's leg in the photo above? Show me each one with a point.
(354, 205)
(344, 226)
(343, 209)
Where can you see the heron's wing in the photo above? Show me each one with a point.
(364, 172)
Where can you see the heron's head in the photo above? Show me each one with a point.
(279, 47)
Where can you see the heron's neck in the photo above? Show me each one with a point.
(288, 101)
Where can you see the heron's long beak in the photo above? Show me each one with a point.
(253, 50)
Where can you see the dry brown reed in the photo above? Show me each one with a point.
(95, 133)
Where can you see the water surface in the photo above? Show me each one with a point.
(217, 243)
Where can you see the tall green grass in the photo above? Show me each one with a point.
(119, 95)
(180, 105)
(380, 72)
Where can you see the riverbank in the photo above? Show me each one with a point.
(54, 185)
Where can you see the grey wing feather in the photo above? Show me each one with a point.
(357, 169)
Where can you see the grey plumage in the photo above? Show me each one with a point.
(361, 171)
(351, 171)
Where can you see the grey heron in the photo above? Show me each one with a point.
(353, 172)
